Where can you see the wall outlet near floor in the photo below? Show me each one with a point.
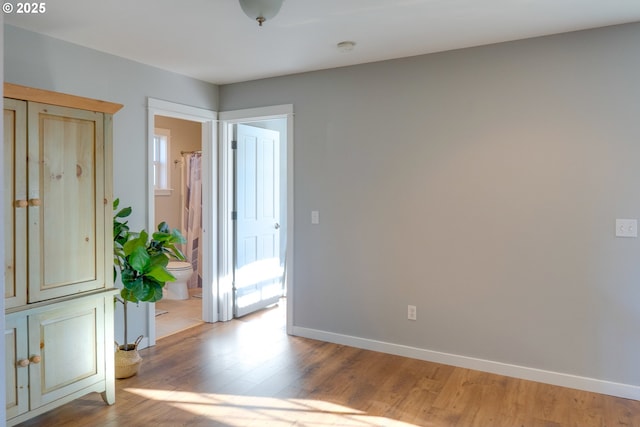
(412, 312)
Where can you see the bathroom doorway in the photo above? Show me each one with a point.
(182, 176)
(178, 202)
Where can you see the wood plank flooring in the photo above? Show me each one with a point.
(178, 315)
(248, 372)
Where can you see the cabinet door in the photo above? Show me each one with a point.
(17, 376)
(66, 201)
(14, 158)
(70, 343)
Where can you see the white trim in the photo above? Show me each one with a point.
(257, 114)
(627, 391)
(225, 227)
(163, 192)
(181, 111)
(225, 268)
(208, 119)
(290, 220)
(165, 173)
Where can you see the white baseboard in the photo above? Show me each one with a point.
(627, 391)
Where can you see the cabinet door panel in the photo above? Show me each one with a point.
(17, 377)
(14, 157)
(70, 342)
(66, 190)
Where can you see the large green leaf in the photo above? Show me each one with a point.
(123, 213)
(156, 293)
(161, 237)
(139, 259)
(163, 227)
(139, 241)
(160, 274)
(127, 295)
(160, 259)
(145, 292)
(128, 274)
(175, 252)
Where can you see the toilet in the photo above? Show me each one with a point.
(178, 288)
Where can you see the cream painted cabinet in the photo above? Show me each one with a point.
(16, 366)
(56, 353)
(65, 199)
(58, 250)
(15, 203)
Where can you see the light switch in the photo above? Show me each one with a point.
(315, 217)
(626, 228)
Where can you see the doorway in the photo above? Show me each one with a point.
(218, 201)
(256, 206)
(178, 202)
(174, 116)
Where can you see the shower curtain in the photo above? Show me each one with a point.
(193, 216)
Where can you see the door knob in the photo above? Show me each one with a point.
(277, 226)
(23, 363)
(35, 359)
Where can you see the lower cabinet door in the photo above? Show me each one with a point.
(16, 366)
(66, 350)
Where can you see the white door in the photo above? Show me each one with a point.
(258, 275)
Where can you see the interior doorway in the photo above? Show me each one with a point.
(178, 202)
(218, 192)
(256, 210)
(192, 136)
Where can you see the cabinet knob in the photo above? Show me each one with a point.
(21, 203)
(23, 363)
(34, 202)
(35, 359)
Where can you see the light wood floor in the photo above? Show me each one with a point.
(248, 372)
(178, 315)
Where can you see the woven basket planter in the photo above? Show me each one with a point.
(127, 359)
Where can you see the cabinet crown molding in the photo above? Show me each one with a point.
(61, 99)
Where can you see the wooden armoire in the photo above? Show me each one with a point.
(57, 155)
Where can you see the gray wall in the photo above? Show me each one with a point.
(31, 59)
(481, 185)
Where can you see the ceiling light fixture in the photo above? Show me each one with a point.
(261, 10)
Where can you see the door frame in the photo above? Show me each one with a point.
(226, 176)
(208, 119)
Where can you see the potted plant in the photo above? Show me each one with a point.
(142, 262)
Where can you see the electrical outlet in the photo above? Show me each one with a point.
(626, 228)
(412, 312)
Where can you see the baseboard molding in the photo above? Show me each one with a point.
(555, 378)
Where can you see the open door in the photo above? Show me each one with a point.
(259, 264)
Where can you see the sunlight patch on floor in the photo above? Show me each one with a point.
(237, 411)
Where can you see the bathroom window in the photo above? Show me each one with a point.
(161, 182)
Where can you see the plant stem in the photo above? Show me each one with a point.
(126, 338)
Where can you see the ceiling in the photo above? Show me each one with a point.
(214, 41)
